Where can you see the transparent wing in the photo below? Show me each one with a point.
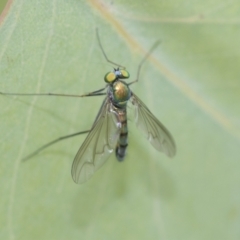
(98, 145)
(154, 130)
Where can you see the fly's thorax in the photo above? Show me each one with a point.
(120, 93)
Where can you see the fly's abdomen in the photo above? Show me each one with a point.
(123, 137)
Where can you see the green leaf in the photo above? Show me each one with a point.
(191, 83)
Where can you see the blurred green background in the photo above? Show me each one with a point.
(191, 84)
(2, 4)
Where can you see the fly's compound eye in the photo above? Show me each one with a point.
(110, 77)
(124, 74)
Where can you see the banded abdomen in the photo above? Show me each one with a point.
(123, 137)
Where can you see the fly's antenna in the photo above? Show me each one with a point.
(104, 54)
(144, 59)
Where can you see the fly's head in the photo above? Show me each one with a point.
(116, 74)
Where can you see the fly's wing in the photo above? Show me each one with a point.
(154, 130)
(98, 145)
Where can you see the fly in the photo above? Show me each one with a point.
(110, 130)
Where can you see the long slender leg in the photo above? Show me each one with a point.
(104, 54)
(51, 143)
(143, 60)
(94, 93)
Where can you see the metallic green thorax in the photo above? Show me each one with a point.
(120, 93)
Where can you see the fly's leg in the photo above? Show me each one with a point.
(143, 60)
(104, 54)
(94, 93)
(51, 143)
